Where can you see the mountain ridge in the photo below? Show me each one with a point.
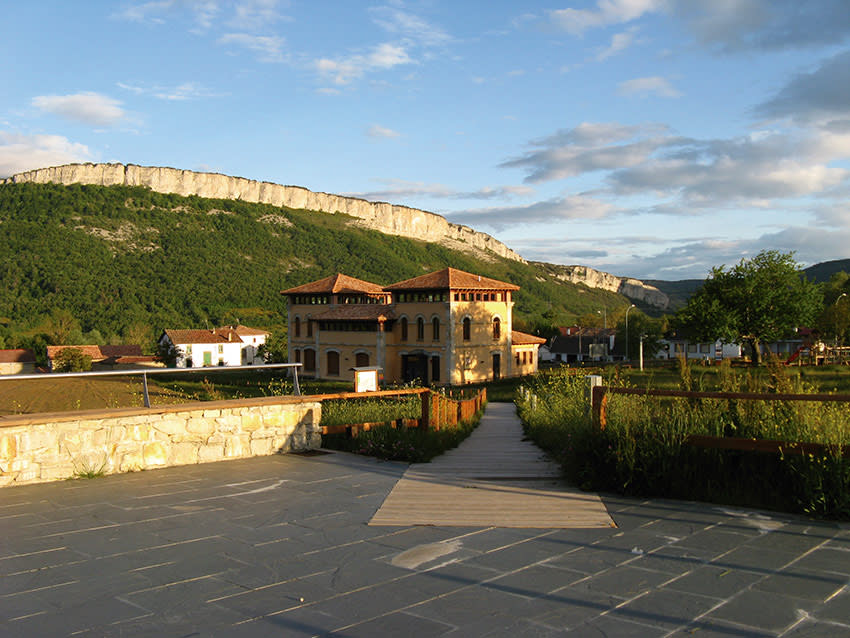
(387, 218)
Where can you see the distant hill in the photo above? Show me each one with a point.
(677, 291)
(823, 271)
(120, 257)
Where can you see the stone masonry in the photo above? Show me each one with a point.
(49, 447)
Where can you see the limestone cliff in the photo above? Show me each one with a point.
(631, 288)
(387, 218)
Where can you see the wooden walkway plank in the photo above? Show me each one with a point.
(495, 478)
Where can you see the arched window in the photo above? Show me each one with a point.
(404, 328)
(297, 356)
(497, 328)
(435, 328)
(309, 361)
(333, 363)
(467, 328)
(420, 329)
(309, 327)
(361, 359)
(297, 325)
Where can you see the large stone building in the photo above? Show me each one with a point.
(446, 327)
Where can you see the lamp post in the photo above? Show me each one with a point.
(627, 331)
(604, 313)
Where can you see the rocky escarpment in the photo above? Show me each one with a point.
(387, 218)
(631, 288)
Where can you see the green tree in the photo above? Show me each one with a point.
(834, 320)
(641, 325)
(168, 353)
(759, 300)
(71, 360)
(274, 350)
(59, 326)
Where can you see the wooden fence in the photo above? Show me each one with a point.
(599, 399)
(438, 410)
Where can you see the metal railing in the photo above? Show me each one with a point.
(296, 388)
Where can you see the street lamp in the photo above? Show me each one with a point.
(604, 313)
(627, 331)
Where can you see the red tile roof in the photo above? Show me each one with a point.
(335, 284)
(121, 351)
(356, 312)
(451, 279)
(17, 355)
(525, 339)
(91, 351)
(201, 336)
(245, 331)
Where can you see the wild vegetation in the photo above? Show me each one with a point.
(94, 264)
(642, 450)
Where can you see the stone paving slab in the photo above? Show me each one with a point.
(281, 546)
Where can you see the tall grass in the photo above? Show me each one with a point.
(643, 450)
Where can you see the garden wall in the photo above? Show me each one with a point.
(49, 447)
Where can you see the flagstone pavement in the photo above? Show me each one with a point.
(282, 546)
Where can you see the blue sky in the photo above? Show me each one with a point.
(647, 138)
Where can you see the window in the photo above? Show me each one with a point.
(705, 348)
(189, 349)
(309, 327)
(692, 347)
(497, 328)
(404, 328)
(297, 356)
(333, 363)
(220, 348)
(361, 359)
(435, 328)
(420, 329)
(297, 325)
(435, 369)
(467, 329)
(309, 360)
(679, 347)
(517, 358)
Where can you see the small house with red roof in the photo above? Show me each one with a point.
(17, 361)
(232, 345)
(446, 327)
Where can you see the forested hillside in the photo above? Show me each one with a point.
(111, 264)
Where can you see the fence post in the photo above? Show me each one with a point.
(425, 419)
(596, 392)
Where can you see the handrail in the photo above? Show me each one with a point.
(296, 388)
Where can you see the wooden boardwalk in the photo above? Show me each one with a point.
(493, 479)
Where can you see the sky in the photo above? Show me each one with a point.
(647, 138)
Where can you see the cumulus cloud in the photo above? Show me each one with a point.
(819, 96)
(88, 108)
(268, 47)
(27, 152)
(642, 87)
(346, 69)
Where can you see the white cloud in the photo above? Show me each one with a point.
(269, 47)
(409, 26)
(256, 14)
(619, 43)
(399, 189)
(344, 70)
(27, 152)
(185, 91)
(642, 87)
(544, 212)
(378, 132)
(606, 12)
(89, 108)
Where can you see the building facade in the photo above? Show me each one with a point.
(226, 346)
(448, 327)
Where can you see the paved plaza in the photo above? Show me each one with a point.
(282, 546)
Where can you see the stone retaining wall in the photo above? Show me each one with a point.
(49, 447)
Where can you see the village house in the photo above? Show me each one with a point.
(17, 361)
(233, 345)
(447, 327)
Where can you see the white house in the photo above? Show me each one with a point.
(225, 346)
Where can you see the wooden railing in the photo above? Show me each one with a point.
(599, 400)
(438, 411)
